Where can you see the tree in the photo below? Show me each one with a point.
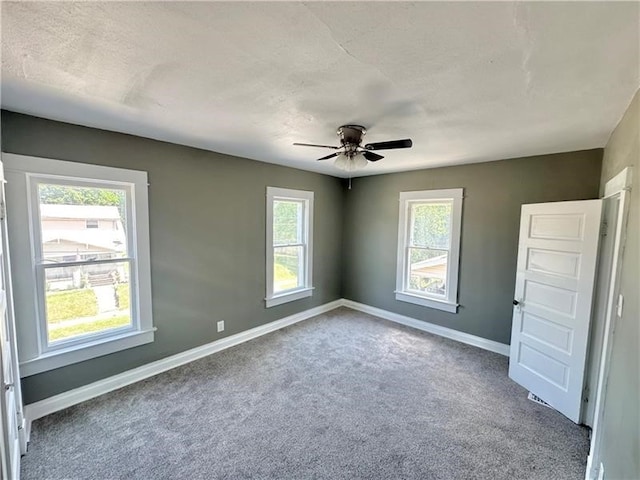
(430, 236)
(286, 230)
(431, 225)
(65, 195)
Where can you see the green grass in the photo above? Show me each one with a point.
(82, 303)
(283, 279)
(71, 304)
(89, 327)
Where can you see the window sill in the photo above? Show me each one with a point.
(427, 302)
(288, 297)
(86, 351)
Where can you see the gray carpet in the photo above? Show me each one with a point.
(340, 396)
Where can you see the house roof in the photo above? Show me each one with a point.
(73, 244)
(81, 212)
(433, 267)
(467, 81)
(111, 240)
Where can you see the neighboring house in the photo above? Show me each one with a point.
(430, 274)
(81, 232)
(78, 233)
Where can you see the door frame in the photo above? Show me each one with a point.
(620, 186)
(13, 353)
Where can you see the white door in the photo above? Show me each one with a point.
(557, 257)
(9, 387)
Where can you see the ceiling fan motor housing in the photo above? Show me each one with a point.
(351, 136)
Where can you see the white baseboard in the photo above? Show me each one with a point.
(462, 337)
(36, 410)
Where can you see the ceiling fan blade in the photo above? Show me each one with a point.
(314, 145)
(406, 143)
(328, 157)
(372, 157)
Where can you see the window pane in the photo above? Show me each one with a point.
(287, 222)
(82, 223)
(428, 270)
(431, 224)
(86, 299)
(287, 268)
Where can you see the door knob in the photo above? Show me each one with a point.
(516, 302)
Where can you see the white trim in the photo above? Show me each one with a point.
(85, 351)
(288, 297)
(448, 303)
(427, 302)
(480, 342)
(306, 290)
(620, 184)
(26, 172)
(36, 410)
(622, 181)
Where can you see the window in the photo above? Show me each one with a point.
(89, 269)
(289, 242)
(429, 248)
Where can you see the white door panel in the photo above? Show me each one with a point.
(557, 257)
(552, 334)
(563, 264)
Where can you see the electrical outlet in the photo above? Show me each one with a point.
(220, 326)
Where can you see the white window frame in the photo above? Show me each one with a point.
(25, 174)
(306, 290)
(448, 302)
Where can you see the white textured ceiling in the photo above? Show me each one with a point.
(467, 82)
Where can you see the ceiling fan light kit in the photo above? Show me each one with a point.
(349, 163)
(352, 155)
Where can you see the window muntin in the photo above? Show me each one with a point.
(289, 227)
(428, 248)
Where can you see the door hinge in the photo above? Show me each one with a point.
(604, 229)
(3, 211)
(585, 394)
(21, 420)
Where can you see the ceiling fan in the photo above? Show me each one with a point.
(351, 155)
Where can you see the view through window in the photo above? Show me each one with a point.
(85, 260)
(430, 239)
(288, 245)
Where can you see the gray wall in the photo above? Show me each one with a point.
(494, 192)
(207, 220)
(621, 423)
